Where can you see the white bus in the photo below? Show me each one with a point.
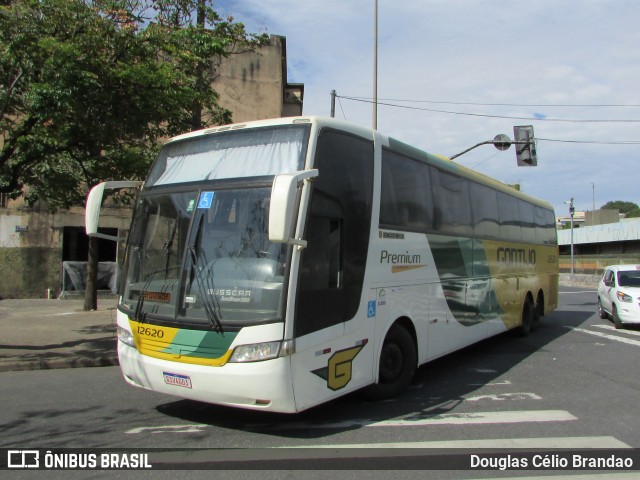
(276, 265)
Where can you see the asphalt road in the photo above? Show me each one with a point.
(572, 383)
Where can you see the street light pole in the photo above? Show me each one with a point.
(375, 67)
(571, 213)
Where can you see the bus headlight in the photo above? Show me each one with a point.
(255, 352)
(258, 352)
(125, 336)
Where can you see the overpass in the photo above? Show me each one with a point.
(595, 247)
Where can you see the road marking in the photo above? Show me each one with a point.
(581, 291)
(626, 332)
(418, 419)
(505, 396)
(480, 418)
(490, 384)
(498, 443)
(191, 428)
(471, 418)
(610, 337)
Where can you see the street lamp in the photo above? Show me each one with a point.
(571, 212)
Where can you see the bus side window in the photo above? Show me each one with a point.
(453, 205)
(332, 265)
(405, 197)
(322, 267)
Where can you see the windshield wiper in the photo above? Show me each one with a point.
(166, 247)
(210, 307)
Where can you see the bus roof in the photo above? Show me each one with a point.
(398, 146)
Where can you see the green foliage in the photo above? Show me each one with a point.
(90, 88)
(622, 207)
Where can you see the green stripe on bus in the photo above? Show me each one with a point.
(199, 343)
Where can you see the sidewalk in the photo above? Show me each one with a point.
(40, 334)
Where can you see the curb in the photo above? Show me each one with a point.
(59, 363)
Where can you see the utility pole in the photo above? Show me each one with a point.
(375, 67)
(571, 213)
(333, 103)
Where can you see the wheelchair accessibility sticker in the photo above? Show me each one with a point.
(371, 309)
(206, 200)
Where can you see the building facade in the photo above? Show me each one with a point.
(42, 253)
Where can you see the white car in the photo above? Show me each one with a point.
(619, 294)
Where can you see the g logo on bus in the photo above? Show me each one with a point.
(339, 369)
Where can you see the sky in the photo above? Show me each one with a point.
(454, 73)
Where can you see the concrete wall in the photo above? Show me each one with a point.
(600, 217)
(579, 280)
(31, 246)
(29, 252)
(253, 85)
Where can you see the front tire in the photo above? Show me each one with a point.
(398, 360)
(616, 319)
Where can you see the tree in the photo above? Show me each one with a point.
(90, 87)
(629, 209)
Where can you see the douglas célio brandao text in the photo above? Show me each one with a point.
(551, 461)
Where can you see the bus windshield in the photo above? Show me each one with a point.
(203, 259)
(198, 253)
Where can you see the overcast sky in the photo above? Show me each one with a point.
(461, 71)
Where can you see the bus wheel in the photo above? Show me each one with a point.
(538, 310)
(528, 316)
(398, 360)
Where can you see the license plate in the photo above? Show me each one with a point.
(177, 380)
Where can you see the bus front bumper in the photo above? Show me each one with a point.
(265, 385)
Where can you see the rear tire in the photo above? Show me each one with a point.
(603, 315)
(538, 311)
(398, 360)
(528, 317)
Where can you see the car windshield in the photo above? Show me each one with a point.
(629, 278)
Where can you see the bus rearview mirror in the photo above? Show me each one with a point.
(94, 203)
(282, 208)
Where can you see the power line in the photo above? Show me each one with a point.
(439, 102)
(341, 109)
(613, 142)
(537, 119)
